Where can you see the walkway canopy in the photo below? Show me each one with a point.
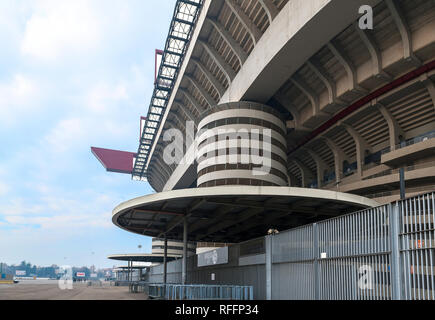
(232, 213)
(142, 257)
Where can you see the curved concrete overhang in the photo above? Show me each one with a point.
(141, 257)
(300, 29)
(232, 213)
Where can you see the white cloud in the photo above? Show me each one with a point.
(18, 96)
(66, 134)
(4, 189)
(102, 96)
(59, 27)
(19, 206)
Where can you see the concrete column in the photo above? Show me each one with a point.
(165, 261)
(268, 267)
(184, 266)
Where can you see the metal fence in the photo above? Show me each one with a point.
(381, 253)
(376, 254)
(417, 244)
(193, 291)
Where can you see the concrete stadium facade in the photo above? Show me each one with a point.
(345, 109)
(174, 247)
(357, 104)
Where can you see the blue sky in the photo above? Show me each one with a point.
(73, 74)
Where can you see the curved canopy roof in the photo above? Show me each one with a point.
(142, 257)
(232, 213)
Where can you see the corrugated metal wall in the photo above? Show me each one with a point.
(375, 254)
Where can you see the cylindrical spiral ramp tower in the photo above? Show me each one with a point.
(175, 247)
(241, 143)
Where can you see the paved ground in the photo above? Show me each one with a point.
(49, 290)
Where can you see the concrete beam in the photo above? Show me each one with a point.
(339, 157)
(293, 180)
(268, 66)
(270, 8)
(187, 112)
(211, 78)
(309, 93)
(210, 101)
(192, 100)
(374, 51)
(286, 103)
(360, 144)
(252, 29)
(235, 46)
(306, 173)
(429, 86)
(348, 66)
(326, 79)
(320, 165)
(228, 71)
(405, 33)
(393, 126)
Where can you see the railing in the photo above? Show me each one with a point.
(382, 253)
(396, 171)
(193, 291)
(397, 192)
(412, 141)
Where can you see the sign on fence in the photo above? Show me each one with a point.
(213, 257)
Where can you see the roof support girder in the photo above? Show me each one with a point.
(227, 70)
(235, 46)
(252, 29)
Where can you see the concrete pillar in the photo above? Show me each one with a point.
(165, 261)
(184, 266)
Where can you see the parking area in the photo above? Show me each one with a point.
(49, 290)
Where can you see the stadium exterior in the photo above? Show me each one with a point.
(341, 117)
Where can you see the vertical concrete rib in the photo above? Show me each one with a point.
(308, 92)
(325, 78)
(405, 33)
(192, 100)
(270, 8)
(211, 102)
(394, 128)
(374, 51)
(360, 144)
(347, 65)
(211, 78)
(252, 29)
(227, 70)
(235, 46)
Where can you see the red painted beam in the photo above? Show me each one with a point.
(115, 160)
(363, 101)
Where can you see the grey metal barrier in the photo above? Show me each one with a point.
(381, 253)
(209, 292)
(193, 291)
(417, 245)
